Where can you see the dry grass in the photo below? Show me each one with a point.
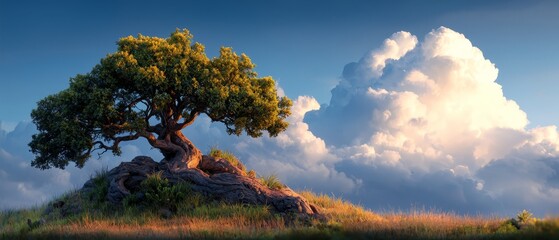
(425, 224)
(346, 221)
(272, 181)
(354, 222)
(228, 156)
(340, 211)
(208, 220)
(179, 227)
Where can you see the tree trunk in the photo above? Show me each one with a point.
(182, 154)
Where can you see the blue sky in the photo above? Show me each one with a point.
(391, 110)
(302, 44)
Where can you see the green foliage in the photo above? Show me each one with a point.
(159, 193)
(151, 86)
(131, 201)
(507, 227)
(100, 186)
(523, 219)
(272, 182)
(228, 156)
(191, 201)
(16, 220)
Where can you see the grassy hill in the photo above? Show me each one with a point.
(214, 220)
(176, 212)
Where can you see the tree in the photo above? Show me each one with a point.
(153, 88)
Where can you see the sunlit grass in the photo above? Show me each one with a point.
(228, 156)
(199, 218)
(272, 182)
(224, 221)
(340, 211)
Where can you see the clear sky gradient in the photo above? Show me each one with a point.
(302, 44)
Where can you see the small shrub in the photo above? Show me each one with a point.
(100, 186)
(272, 182)
(131, 201)
(192, 201)
(507, 227)
(159, 193)
(228, 156)
(525, 217)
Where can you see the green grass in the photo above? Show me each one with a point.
(228, 156)
(196, 217)
(272, 181)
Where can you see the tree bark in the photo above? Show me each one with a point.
(182, 154)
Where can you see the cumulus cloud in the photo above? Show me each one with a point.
(413, 124)
(437, 112)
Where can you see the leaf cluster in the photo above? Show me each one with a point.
(153, 87)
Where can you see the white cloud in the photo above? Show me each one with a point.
(7, 126)
(434, 109)
(22, 185)
(393, 48)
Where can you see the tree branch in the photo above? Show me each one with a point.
(189, 120)
(116, 142)
(163, 144)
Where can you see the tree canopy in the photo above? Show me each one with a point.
(152, 88)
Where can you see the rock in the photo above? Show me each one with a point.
(58, 204)
(126, 178)
(215, 178)
(36, 224)
(232, 188)
(71, 205)
(54, 206)
(213, 165)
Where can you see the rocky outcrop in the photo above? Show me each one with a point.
(214, 178)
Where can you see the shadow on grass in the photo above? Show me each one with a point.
(290, 233)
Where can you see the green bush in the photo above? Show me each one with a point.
(100, 186)
(131, 201)
(159, 193)
(507, 227)
(272, 182)
(228, 156)
(523, 219)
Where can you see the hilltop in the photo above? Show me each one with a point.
(221, 221)
(167, 210)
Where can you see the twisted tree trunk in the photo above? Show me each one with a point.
(180, 154)
(214, 178)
